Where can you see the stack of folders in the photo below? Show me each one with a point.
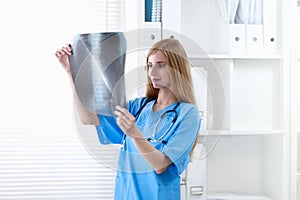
(251, 27)
(156, 11)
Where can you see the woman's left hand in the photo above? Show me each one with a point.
(126, 122)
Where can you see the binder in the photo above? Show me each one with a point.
(171, 19)
(255, 42)
(269, 21)
(270, 41)
(151, 33)
(237, 39)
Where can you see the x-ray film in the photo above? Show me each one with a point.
(97, 67)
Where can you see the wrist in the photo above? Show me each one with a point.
(138, 138)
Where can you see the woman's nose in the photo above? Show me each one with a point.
(153, 71)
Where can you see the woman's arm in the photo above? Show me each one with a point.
(86, 117)
(157, 160)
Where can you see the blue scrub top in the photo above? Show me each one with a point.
(135, 179)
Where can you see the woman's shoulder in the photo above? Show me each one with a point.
(139, 101)
(188, 108)
(135, 104)
(188, 105)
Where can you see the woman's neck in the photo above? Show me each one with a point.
(165, 98)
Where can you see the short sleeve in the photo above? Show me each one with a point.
(109, 131)
(179, 146)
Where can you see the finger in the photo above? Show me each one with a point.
(59, 53)
(123, 125)
(66, 50)
(69, 48)
(119, 114)
(122, 118)
(125, 112)
(121, 109)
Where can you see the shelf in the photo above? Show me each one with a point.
(228, 196)
(248, 161)
(226, 56)
(237, 133)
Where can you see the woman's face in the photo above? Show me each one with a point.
(158, 71)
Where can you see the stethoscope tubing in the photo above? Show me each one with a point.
(152, 138)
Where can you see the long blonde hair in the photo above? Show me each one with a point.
(180, 73)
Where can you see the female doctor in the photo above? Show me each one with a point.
(157, 133)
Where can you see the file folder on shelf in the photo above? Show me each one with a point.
(270, 41)
(270, 33)
(237, 39)
(255, 42)
(171, 20)
(151, 33)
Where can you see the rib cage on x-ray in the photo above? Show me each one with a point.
(97, 67)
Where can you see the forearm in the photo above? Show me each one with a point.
(156, 159)
(86, 117)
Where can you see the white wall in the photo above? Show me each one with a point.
(35, 92)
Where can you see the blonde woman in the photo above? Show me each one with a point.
(157, 132)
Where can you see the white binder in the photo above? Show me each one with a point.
(270, 41)
(171, 19)
(255, 42)
(269, 21)
(237, 39)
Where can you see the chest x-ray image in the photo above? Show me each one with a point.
(97, 67)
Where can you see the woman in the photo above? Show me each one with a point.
(157, 132)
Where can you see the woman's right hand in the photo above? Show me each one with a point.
(62, 54)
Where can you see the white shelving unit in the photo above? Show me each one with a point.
(245, 164)
(298, 155)
(247, 123)
(247, 154)
(296, 177)
(227, 56)
(246, 110)
(246, 144)
(295, 102)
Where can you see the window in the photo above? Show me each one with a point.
(42, 154)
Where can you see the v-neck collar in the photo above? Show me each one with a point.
(163, 109)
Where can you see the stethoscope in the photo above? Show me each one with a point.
(160, 139)
(152, 138)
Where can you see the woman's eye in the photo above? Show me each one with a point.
(149, 66)
(161, 65)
